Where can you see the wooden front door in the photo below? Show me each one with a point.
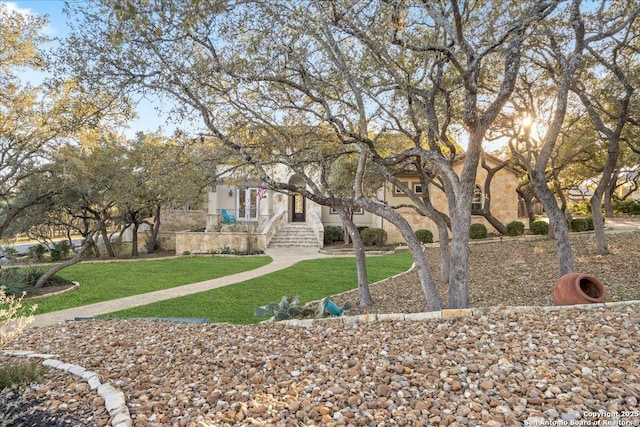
(298, 208)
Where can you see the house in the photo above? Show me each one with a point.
(504, 199)
(242, 214)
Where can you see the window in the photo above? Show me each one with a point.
(417, 188)
(397, 191)
(477, 203)
(247, 203)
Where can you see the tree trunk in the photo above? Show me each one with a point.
(364, 293)
(155, 229)
(608, 206)
(134, 239)
(443, 242)
(422, 268)
(459, 276)
(76, 259)
(527, 198)
(558, 222)
(602, 247)
(107, 242)
(415, 247)
(495, 222)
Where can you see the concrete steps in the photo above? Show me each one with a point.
(294, 235)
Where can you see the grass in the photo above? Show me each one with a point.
(312, 280)
(19, 373)
(111, 280)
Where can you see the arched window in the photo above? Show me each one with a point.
(478, 199)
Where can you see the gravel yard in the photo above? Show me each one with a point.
(568, 367)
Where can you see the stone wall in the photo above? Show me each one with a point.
(207, 242)
(504, 203)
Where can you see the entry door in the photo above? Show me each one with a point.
(298, 208)
(247, 204)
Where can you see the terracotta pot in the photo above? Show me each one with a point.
(578, 288)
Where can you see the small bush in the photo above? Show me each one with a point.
(539, 227)
(581, 208)
(478, 231)
(37, 252)
(361, 228)
(626, 207)
(333, 234)
(19, 373)
(579, 224)
(15, 281)
(374, 237)
(11, 252)
(13, 317)
(589, 220)
(60, 251)
(424, 236)
(515, 228)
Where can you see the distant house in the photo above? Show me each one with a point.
(241, 213)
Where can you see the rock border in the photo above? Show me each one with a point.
(75, 286)
(451, 313)
(114, 400)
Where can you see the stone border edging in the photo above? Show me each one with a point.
(75, 286)
(451, 313)
(114, 400)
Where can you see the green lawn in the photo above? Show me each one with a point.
(312, 280)
(110, 280)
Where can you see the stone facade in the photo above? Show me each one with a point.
(504, 201)
(264, 218)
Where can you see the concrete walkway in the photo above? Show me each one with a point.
(282, 258)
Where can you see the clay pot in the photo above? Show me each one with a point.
(577, 288)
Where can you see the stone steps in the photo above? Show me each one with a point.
(294, 236)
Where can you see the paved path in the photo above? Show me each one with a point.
(282, 258)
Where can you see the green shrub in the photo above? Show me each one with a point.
(333, 234)
(424, 236)
(18, 280)
(374, 237)
(626, 207)
(589, 220)
(478, 231)
(60, 251)
(37, 252)
(10, 251)
(361, 228)
(579, 224)
(14, 281)
(539, 227)
(581, 208)
(515, 228)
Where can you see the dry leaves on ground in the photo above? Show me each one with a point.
(515, 271)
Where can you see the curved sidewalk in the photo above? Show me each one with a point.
(282, 258)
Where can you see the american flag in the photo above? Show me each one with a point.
(262, 193)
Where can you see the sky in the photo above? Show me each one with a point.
(149, 120)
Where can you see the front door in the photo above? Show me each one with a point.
(298, 208)
(247, 204)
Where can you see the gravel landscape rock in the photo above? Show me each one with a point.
(536, 367)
